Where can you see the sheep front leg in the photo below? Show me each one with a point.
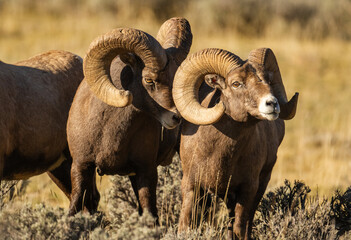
(187, 205)
(264, 179)
(84, 191)
(245, 200)
(144, 184)
(133, 181)
(231, 207)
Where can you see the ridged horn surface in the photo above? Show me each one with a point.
(105, 48)
(189, 77)
(175, 37)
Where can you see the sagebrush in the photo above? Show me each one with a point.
(288, 212)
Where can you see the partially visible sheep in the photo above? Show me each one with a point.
(233, 143)
(115, 123)
(35, 97)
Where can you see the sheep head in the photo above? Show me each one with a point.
(152, 65)
(248, 88)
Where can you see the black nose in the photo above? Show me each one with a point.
(176, 118)
(272, 102)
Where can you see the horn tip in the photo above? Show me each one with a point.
(125, 98)
(290, 112)
(129, 96)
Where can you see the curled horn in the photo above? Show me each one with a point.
(266, 58)
(105, 48)
(189, 77)
(175, 37)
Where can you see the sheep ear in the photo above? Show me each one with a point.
(128, 58)
(215, 81)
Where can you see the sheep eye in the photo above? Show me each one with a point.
(236, 84)
(148, 80)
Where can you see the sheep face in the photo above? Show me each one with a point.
(158, 87)
(246, 92)
(151, 89)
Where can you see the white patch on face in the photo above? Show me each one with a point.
(269, 107)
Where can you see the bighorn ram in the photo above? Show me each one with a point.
(35, 97)
(232, 143)
(115, 121)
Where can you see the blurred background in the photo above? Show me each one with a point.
(310, 38)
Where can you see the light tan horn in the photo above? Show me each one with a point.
(265, 57)
(175, 37)
(189, 77)
(105, 48)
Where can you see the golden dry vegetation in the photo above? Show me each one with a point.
(317, 145)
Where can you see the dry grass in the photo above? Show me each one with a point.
(285, 213)
(317, 145)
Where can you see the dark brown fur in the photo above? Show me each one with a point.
(124, 141)
(239, 150)
(35, 97)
